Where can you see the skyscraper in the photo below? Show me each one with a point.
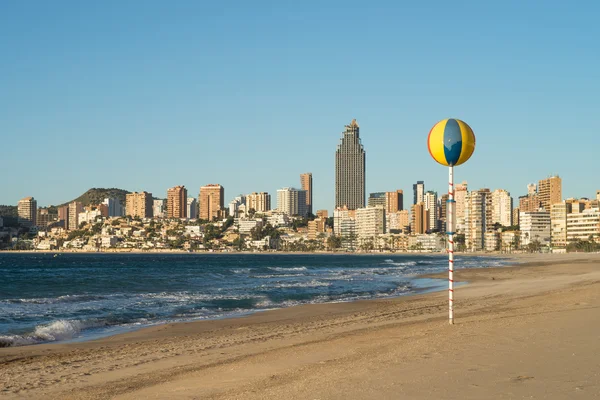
(212, 201)
(306, 182)
(350, 169)
(177, 202)
(419, 192)
(27, 210)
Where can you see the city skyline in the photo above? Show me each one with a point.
(167, 99)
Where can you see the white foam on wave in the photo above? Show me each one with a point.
(282, 285)
(55, 331)
(285, 269)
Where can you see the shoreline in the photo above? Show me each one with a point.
(158, 360)
(422, 286)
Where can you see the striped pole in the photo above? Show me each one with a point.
(450, 222)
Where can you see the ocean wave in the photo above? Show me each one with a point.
(282, 285)
(285, 269)
(55, 331)
(400, 264)
(269, 276)
(241, 270)
(74, 298)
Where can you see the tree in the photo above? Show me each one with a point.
(334, 242)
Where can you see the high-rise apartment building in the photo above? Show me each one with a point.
(531, 189)
(515, 216)
(113, 207)
(598, 195)
(418, 192)
(158, 208)
(307, 185)
(139, 204)
(192, 208)
(376, 199)
(460, 195)
(212, 201)
(502, 206)
(350, 164)
(558, 224)
(419, 218)
(291, 201)
(370, 222)
(550, 191)
(177, 202)
(394, 201)
(43, 217)
(478, 217)
(430, 200)
(443, 207)
(27, 211)
(339, 214)
(75, 208)
(259, 202)
(529, 203)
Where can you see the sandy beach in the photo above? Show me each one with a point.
(528, 331)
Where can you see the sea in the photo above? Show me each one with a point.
(75, 297)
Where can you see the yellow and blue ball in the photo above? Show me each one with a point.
(451, 142)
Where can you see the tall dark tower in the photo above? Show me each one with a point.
(350, 169)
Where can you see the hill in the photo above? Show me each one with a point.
(97, 195)
(8, 211)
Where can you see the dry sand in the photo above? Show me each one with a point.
(531, 331)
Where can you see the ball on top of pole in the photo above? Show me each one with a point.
(451, 142)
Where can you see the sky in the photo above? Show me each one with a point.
(146, 95)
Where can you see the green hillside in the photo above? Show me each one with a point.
(97, 195)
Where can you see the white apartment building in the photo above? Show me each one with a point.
(535, 225)
(558, 224)
(430, 200)
(502, 205)
(158, 208)
(246, 225)
(115, 209)
(370, 222)
(348, 234)
(292, 201)
(340, 214)
(492, 241)
(89, 216)
(192, 208)
(278, 219)
(460, 195)
(583, 225)
(477, 218)
(427, 242)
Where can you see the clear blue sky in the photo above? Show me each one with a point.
(146, 95)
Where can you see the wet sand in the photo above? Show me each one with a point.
(530, 331)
